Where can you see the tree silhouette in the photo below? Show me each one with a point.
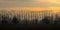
(34, 21)
(15, 21)
(59, 20)
(25, 21)
(4, 20)
(45, 20)
(56, 22)
(28, 21)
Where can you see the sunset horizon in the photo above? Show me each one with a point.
(29, 14)
(30, 5)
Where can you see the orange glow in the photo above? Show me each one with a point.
(54, 9)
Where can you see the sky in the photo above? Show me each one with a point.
(31, 4)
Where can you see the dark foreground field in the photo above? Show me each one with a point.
(34, 27)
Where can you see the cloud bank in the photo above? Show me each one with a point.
(29, 3)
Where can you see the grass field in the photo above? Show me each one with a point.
(21, 26)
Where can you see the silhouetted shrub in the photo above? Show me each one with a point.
(34, 21)
(59, 20)
(23, 21)
(28, 21)
(45, 20)
(15, 21)
(4, 22)
(55, 22)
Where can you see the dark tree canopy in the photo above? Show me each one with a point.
(46, 20)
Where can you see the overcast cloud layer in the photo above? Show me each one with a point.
(28, 3)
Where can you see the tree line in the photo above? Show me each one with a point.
(14, 20)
